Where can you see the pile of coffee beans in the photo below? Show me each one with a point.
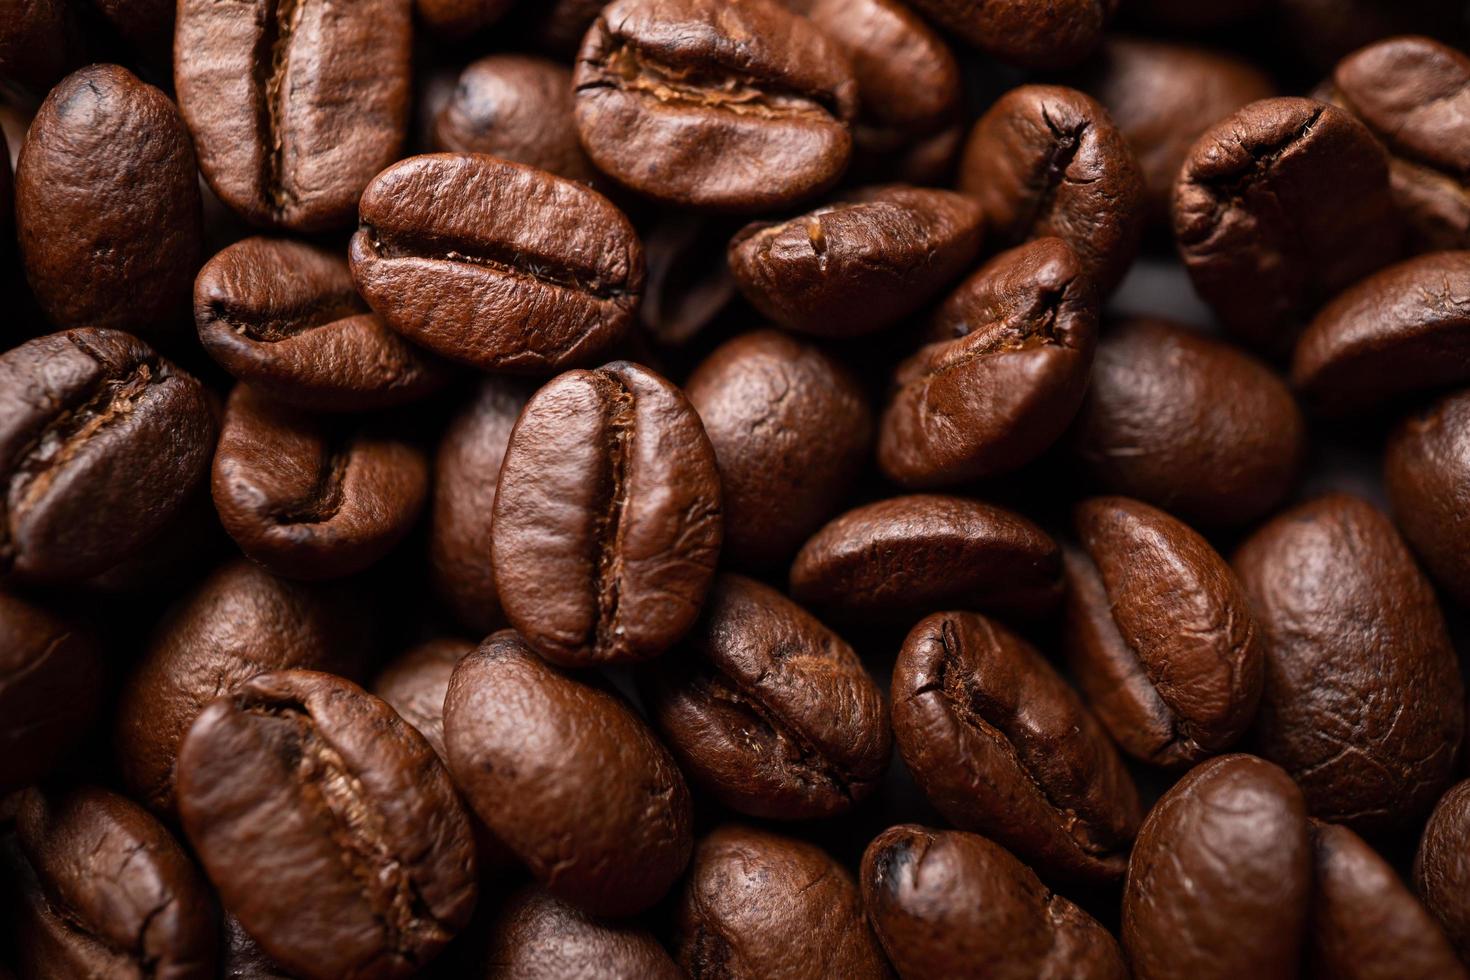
(734, 489)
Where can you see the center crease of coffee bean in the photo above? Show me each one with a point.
(497, 258)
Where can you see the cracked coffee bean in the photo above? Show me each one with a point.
(1426, 470)
(1442, 866)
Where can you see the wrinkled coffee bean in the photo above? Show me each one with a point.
(1426, 470)
(414, 685)
(454, 19)
(536, 936)
(1046, 34)
(1442, 866)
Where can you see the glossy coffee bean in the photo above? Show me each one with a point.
(769, 711)
(1426, 470)
(293, 106)
(453, 19)
(858, 265)
(1189, 913)
(1189, 424)
(568, 777)
(1047, 161)
(947, 904)
(495, 264)
(1002, 746)
(102, 442)
(731, 106)
(1442, 866)
(901, 558)
(757, 905)
(311, 497)
(415, 683)
(1027, 33)
(1354, 635)
(536, 936)
(107, 205)
(607, 518)
(791, 430)
(1003, 375)
(1279, 207)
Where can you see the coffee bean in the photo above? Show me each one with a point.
(1190, 912)
(536, 936)
(496, 264)
(454, 19)
(1426, 468)
(1043, 34)
(607, 519)
(414, 685)
(568, 777)
(768, 710)
(1441, 867)
(947, 904)
(736, 107)
(1003, 747)
(107, 205)
(1354, 635)
(294, 105)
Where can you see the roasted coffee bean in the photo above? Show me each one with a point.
(1442, 866)
(901, 558)
(285, 318)
(950, 904)
(568, 777)
(536, 936)
(1004, 373)
(1220, 879)
(768, 710)
(1278, 208)
(1188, 423)
(1003, 747)
(1426, 470)
(607, 519)
(791, 430)
(115, 895)
(1354, 637)
(107, 205)
(1043, 34)
(689, 280)
(732, 106)
(313, 498)
(414, 685)
(453, 19)
(759, 905)
(1401, 330)
(495, 264)
(859, 265)
(101, 443)
(1048, 161)
(293, 105)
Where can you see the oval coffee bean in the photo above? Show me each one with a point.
(1002, 746)
(1354, 636)
(760, 905)
(607, 519)
(498, 265)
(1047, 34)
(107, 204)
(1426, 470)
(294, 106)
(568, 777)
(1160, 635)
(328, 826)
(102, 442)
(415, 683)
(949, 904)
(284, 317)
(536, 936)
(791, 429)
(1442, 866)
(770, 711)
(904, 557)
(1188, 911)
(1003, 376)
(738, 107)
(858, 265)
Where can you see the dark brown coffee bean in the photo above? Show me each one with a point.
(102, 442)
(760, 905)
(1426, 470)
(536, 936)
(453, 19)
(770, 711)
(1003, 747)
(117, 896)
(739, 107)
(949, 904)
(791, 430)
(107, 205)
(496, 264)
(607, 518)
(899, 559)
(1220, 879)
(1442, 866)
(1003, 375)
(1027, 33)
(859, 265)
(415, 683)
(294, 105)
(1363, 703)
(1048, 161)
(1400, 330)
(1278, 208)
(1160, 636)
(568, 777)
(1188, 423)
(689, 280)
